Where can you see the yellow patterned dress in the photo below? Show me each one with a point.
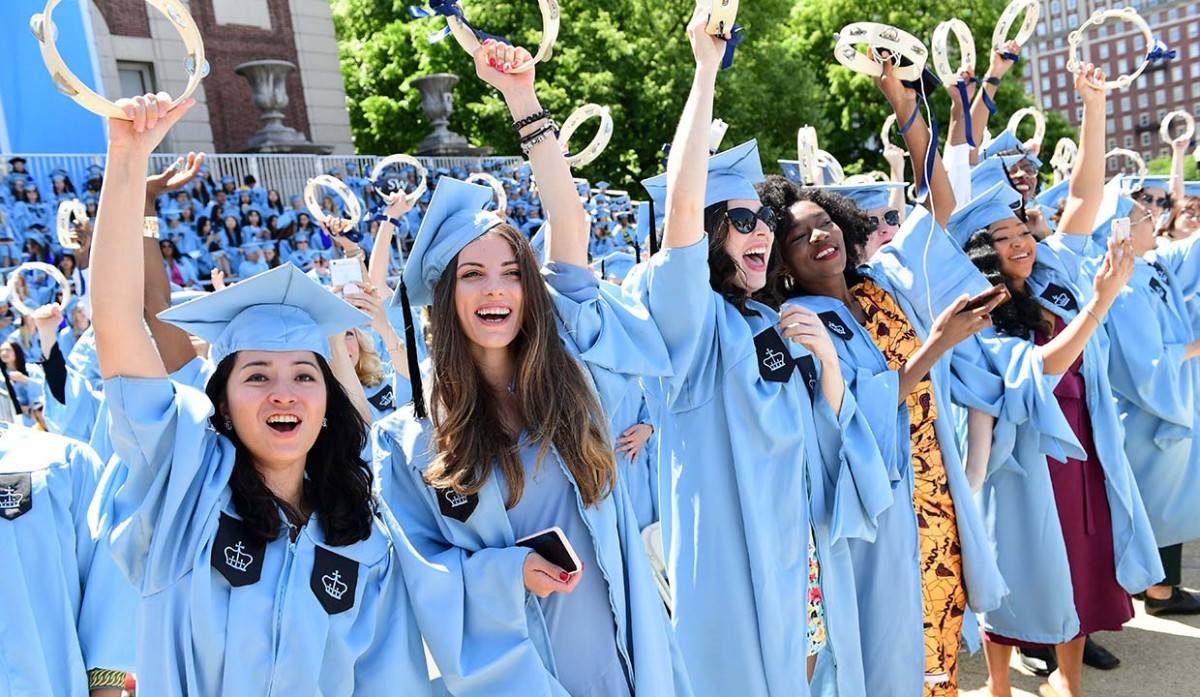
(943, 595)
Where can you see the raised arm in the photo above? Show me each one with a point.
(567, 236)
(381, 251)
(687, 166)
(1179, 148)
(1086, 190)
(117, 263)
(980, 113)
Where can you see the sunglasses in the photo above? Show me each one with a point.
(1163, 202)
(892, 218)
(745, 220)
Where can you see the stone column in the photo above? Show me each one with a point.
(268, 86)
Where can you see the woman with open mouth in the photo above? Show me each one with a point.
(1070, 532)
(930, 556)
(514, 445)
(247, 520)
(765, 443)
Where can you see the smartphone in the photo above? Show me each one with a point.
(346, 273)
(554, 547)
(985, 297)
(1120, 229)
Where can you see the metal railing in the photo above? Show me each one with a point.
(286, 173)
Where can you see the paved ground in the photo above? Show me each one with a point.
(1160, 657)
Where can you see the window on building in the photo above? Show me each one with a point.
(1045, 65)
(1123, 67)
(1078, 113)
(1061, 80)
(1108, 108)
(1028, 88)
(1139, 41)
(1164, 152)
(1173, 33)
(1103, 51)
(1143, 101)
(1112, 143)
(1048, 102)
(1176, 73)
(1125, 103)
(1055, 6)
(1160, 76)
(1046, 80)
(1121, 47)
(1193, 28)
(1194, 70)
(1126, 122)
(1110, 127)
(1177, 93)
(1145, 137)
(136, 78)
(1056, 25)
(1160, 96)
(1196, 110)
(1144, 120)
(1162, 114)
(1128, 141)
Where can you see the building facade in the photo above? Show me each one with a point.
(1118, 47)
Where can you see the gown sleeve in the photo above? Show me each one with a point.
(1144, 367)
(1182, 257)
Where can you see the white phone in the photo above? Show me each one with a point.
(346, 273)
(554, 547)
(1120, 229)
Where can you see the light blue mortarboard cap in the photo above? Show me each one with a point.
(991, 206)
(456, 216)
(1007, 142)
(989, 173)
(278, 310)
(731, 175)
(1049, 199)
(539, 245)
(1191, 188)
(615, 265)
(867, 196)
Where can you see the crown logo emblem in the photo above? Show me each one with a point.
(889, 34)
(10, 497)
(774, 360)
(455, 499)
(334, 585)
(1060, 299)
(837, 328)
(237, 558)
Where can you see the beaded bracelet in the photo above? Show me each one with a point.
(531, 119)
(529, 141)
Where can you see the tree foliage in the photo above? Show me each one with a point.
(633, 56)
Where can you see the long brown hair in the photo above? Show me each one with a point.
(557, 405)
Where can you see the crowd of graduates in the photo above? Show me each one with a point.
(759, 435)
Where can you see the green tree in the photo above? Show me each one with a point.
(1162, 165)
(633, 56)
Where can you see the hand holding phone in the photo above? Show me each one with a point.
(346, 273)
(553, 567)
(987, 296)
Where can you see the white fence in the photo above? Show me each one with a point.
(286, 173)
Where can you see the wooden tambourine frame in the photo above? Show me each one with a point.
(721, 15)
(1032, 10)
(806, 155)
(1075, 38)
(599, 141)
(401, 161)
(551, 15)
(497, 188)
(1189, 126)
(52, 271)
(716, 134)
(1065, 152)
(353, 205)
(66, 229)
(42, 26)
(885, 133)
(940, 49)
(880, 37)
(1039, 123)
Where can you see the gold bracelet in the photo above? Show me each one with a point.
(150, 227)
(1093, 316)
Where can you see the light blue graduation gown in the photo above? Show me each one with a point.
(285, 628)
(485, 631)
(46, 482)
(1006, 377)
(736, 482)
(77, 416)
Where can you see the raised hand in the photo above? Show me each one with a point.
(1115, 272)
(494, 60)
(707, 49)
(175, 177)
(801, 325)
(150, 118)
(1000, 65)
(901, 97)
(1089, 83)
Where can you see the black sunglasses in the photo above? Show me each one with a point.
(890, 217)
(745, 220)
(1162, 202)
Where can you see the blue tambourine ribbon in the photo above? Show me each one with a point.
(1161, 53)
(449, 8)
(735, 38)
(928, 83)
(962, 95)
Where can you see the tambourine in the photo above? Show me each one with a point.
(941, 56)
(68, 209)
(46, 33)
(1139, 164)
(599, 141)
(498, 188)
(400, 161)
(826, 161)
(1039, 123)
(879, 37)
(465, 36)
(889, 125)
(353, 205)
(716, 134)
(18, 303)
(875, 177)
(1075, 38)
(1032, 10)
(721, 15)
(1189, 127)
(1065, 152)
(806, 155)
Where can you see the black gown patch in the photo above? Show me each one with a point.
(334, 580)
(808, 373)
(1159, 289)
(835, 325)
(455, 505)
(234, 555)
(1060, 297)
(384, 399)
(775, 363)
(16, 494)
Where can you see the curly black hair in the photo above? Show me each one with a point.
(781, 193)
(723, 270)
(1021, 316)
(337, 483)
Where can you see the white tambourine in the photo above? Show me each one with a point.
(46, 33)
(1039, 123)
(550, 19)
(885, 133)
(353, 205)
(716, 134)
(875, 177)
(18, 303)
(498, 188)
(1189, 127)
(880, 37)
(1032, 10)
(599, 141)
(1139, 164)
(1065, 152)
(401, 161)
(941, 56)
(806, 155)
(721, 15)
(826, 161)
(68, 209)
(1075, 38)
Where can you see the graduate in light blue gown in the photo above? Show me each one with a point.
(46, 482)
(247, 520)
(765, 446)
(516, 443)
(1063, 585)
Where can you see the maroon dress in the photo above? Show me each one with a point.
(1082, 501)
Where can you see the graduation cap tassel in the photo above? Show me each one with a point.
(410, 347)
(653, 230)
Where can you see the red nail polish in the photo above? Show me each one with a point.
(564, 576)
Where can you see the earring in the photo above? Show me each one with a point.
(324, 423)
(228, 424)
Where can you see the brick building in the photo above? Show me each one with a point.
(137, 51)
(1134, 113)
